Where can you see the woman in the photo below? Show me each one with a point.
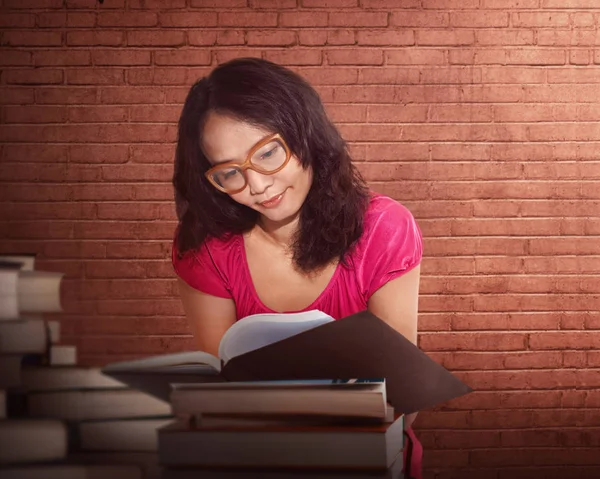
(273, 216)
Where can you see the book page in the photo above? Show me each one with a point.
(259, 330)
(185, 362)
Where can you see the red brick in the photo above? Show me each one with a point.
(202, 37)
(415, 56)
(359, 19)
(52, 19)
(95, 76)
(294, 57)
(505, 37)
(540, 19)
(156, 4)
(571, 4)
(29, 4)
(121, 57)
(355, 57)
(137, 172)
(158, 76)
(15, 57)
(155, 114)
(450, 4)
(347, 113)
(151, 153)
(397, 113)
(218, 3)
(106, 4)
(98, 154)
(182, 57)
(33, 77)
(302, 19)
(17, 20)
(122, 19)
(479, 19)
(579, 57)
(329, 76)
(61, 58)
(158, 38)
(243, 19)
(66, 96)
(386, 4)
(275, 4)
(35, 114)
(512, 4)
(188, 19)
(32, 38)
(96, 38)
(230, 37)
(418, 18)
(473, 342)
(386, 37)
(270, 38)
(329, 3)
(445, 37)
(81, 20)
(341, 37)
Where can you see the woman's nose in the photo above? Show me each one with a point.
(257, 182)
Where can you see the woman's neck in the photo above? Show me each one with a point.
(279, 233)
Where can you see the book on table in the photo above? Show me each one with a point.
(303, 346)
(316, 443)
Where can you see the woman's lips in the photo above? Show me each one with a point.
(272, 202)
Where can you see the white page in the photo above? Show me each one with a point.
(259, 330)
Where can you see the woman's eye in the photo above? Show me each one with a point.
(268, 154)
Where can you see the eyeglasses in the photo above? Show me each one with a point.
(267, 157)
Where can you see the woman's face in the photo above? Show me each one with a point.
(278, 197)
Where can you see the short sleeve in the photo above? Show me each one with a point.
(391, 246)
(199, 270)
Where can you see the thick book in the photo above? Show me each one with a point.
(316, 445)
(393, 472)
(72, 471)
(86, 404)
(123, 435)
(44, 378)
(9, 284)
(313, 397)
(281, 348)
(39, 291)
(31, 440)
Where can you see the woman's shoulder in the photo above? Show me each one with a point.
(211, 266)
(386, 214)
(391, 244)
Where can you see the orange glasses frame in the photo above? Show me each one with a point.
(248, 165)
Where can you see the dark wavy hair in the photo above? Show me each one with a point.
(273, 97)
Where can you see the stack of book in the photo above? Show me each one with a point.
(59, 419)
(266, 406)
(282, 429)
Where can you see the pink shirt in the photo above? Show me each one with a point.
(391, 245)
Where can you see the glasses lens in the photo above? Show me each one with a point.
(270, 156)
(230, 178)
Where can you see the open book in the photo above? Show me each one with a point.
(155, 374)
(304, 346)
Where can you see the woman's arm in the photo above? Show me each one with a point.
(208, 316)
(397, 303)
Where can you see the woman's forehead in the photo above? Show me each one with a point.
(228, 139)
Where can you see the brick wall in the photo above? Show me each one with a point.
(481, 116)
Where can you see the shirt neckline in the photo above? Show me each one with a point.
(256, 297)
